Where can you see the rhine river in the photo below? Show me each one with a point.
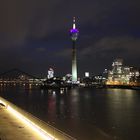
(86, 114)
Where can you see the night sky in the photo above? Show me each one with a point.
(34, 34)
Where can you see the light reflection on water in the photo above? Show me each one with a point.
(78, 111)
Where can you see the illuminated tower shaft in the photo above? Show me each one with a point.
(74, 63)
(74, 35)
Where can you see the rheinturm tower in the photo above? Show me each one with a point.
(74, 35)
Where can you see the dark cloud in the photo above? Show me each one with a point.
(104, 51)
(34, 34)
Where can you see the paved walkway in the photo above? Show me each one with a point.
(15, 123)
(12, 128)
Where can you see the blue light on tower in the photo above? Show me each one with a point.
(74, 36)
(74, 32)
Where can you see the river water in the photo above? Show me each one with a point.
(86, 114)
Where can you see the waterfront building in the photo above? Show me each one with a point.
(86, 74)
(74, 35)
(68, 78)
(134, 75)
(115, 75)
(50, 73)
(122, 75)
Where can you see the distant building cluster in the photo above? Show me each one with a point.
(117, 76)
(123, 75)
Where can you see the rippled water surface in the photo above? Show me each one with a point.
(85, 114)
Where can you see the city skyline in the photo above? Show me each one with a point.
(34, 35)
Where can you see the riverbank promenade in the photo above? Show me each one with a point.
(12, 128)
(16, 123)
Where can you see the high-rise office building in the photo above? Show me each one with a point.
(123, 75)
